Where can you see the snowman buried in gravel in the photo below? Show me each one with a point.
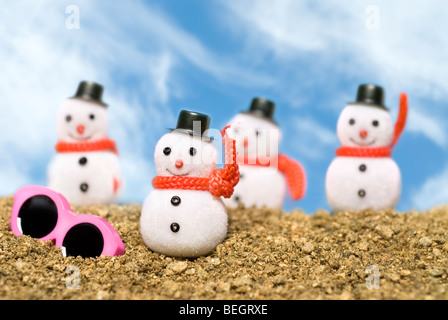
(86, 168)
(265, 174)
(363, 175)
(184, 215)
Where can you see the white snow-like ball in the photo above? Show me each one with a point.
(365, 126)
(177, 222)
(181, 154)
(360, 183)
(254, 136)
(86, 178)
(80, 120)
(258, 187)
(191, 227)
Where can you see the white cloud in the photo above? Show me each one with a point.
(431, 127)
(145, 21)
(433, 192)
(312, 140)
(160, 70)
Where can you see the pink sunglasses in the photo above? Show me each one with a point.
(46, 215)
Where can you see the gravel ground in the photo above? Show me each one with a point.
(268, 255)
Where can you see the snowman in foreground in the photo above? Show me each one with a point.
(364, 175)
(184, 215)
(264, 173)
(86, 168)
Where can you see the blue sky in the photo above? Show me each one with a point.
(155, 58)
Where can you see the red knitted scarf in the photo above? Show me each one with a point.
(221, 182)
(294, 172)
(379, 152)
(87, 146)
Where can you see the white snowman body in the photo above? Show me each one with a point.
(257, 138)
(177, 222)
(84, 178)
(89, 178)
(357, 183)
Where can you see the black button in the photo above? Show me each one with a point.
(362, 168)
(241, 176)
(84, 187)
(175, 227)
(362, 193)
(83, 161)
(237, 199)
(175, 201)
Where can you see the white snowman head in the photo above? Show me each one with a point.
(83, 117)
(186, 151)
(366, 122)
(256, 134)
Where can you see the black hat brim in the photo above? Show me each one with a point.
(379, 106)
(192, 133)
(87, 99)
(259, 115)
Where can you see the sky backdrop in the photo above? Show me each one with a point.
(155, 58)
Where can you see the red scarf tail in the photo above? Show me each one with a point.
(295, 176)
(401, 119)
(223, 181)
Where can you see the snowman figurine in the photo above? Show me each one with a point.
(363, 175)
(265, 175)
(184, 215)
(86, 167)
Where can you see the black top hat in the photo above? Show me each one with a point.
(193, 123)
(262, 108)
(90, 91)
(370, 95)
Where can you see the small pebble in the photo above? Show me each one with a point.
(308, 248)
(425, 242)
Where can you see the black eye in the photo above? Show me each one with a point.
(92, 117)
(375, 123)
(167, 151)
(352, 122)
(193, 152)
(68, 118)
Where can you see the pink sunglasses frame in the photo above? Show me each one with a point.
(113, 245)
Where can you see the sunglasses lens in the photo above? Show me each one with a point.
(38, 216)
(84, 240)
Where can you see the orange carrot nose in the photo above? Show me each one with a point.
(80, 129)
(179, 164)
(363, 134)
